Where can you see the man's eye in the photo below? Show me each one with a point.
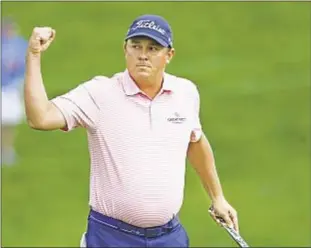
(135, 46)
(154, 48)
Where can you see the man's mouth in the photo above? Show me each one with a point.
(143, 65)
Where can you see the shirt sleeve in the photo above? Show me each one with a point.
(196, 132)
(78, 107)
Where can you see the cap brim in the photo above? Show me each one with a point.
(157, 39)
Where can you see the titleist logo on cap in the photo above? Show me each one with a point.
(150, 25)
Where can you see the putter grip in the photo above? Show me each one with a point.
(234, 235)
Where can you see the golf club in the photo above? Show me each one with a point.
(234, 235)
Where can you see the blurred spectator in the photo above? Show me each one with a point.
(13, 52)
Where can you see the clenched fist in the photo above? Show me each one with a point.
(40, 39)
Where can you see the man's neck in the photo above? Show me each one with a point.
(150, 86)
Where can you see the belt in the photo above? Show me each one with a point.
(149, 232)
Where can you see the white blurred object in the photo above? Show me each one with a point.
(83, 241)
(12, 108)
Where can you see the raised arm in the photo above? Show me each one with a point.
(41, 113)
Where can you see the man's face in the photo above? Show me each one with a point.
(145, 58)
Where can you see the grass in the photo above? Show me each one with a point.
(251, 62)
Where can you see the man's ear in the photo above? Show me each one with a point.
(170, 55)
(124, 46)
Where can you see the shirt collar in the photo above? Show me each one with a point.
(131, 88)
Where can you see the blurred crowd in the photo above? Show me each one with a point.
(13, 52)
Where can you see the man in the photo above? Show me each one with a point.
(141, 124)
(13, 48)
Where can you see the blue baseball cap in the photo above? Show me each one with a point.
(152, 26)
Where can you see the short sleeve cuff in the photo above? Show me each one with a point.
(65, 106)
(196, 135)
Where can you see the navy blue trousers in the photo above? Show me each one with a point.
(104, 231)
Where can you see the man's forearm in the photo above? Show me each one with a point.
(36, 100)
(201, 158)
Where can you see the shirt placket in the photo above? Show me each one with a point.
(148, 104)
(150, 115)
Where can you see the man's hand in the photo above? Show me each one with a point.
(221, 208)
(40, 39)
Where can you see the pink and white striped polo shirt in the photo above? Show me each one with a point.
(137, 145)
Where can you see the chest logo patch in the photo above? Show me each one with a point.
(176, 118)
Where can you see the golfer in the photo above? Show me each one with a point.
(141, 124)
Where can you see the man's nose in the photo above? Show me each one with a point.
(143, 55)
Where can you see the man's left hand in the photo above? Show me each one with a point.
(221, 208)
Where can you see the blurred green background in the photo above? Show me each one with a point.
(251, 62)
